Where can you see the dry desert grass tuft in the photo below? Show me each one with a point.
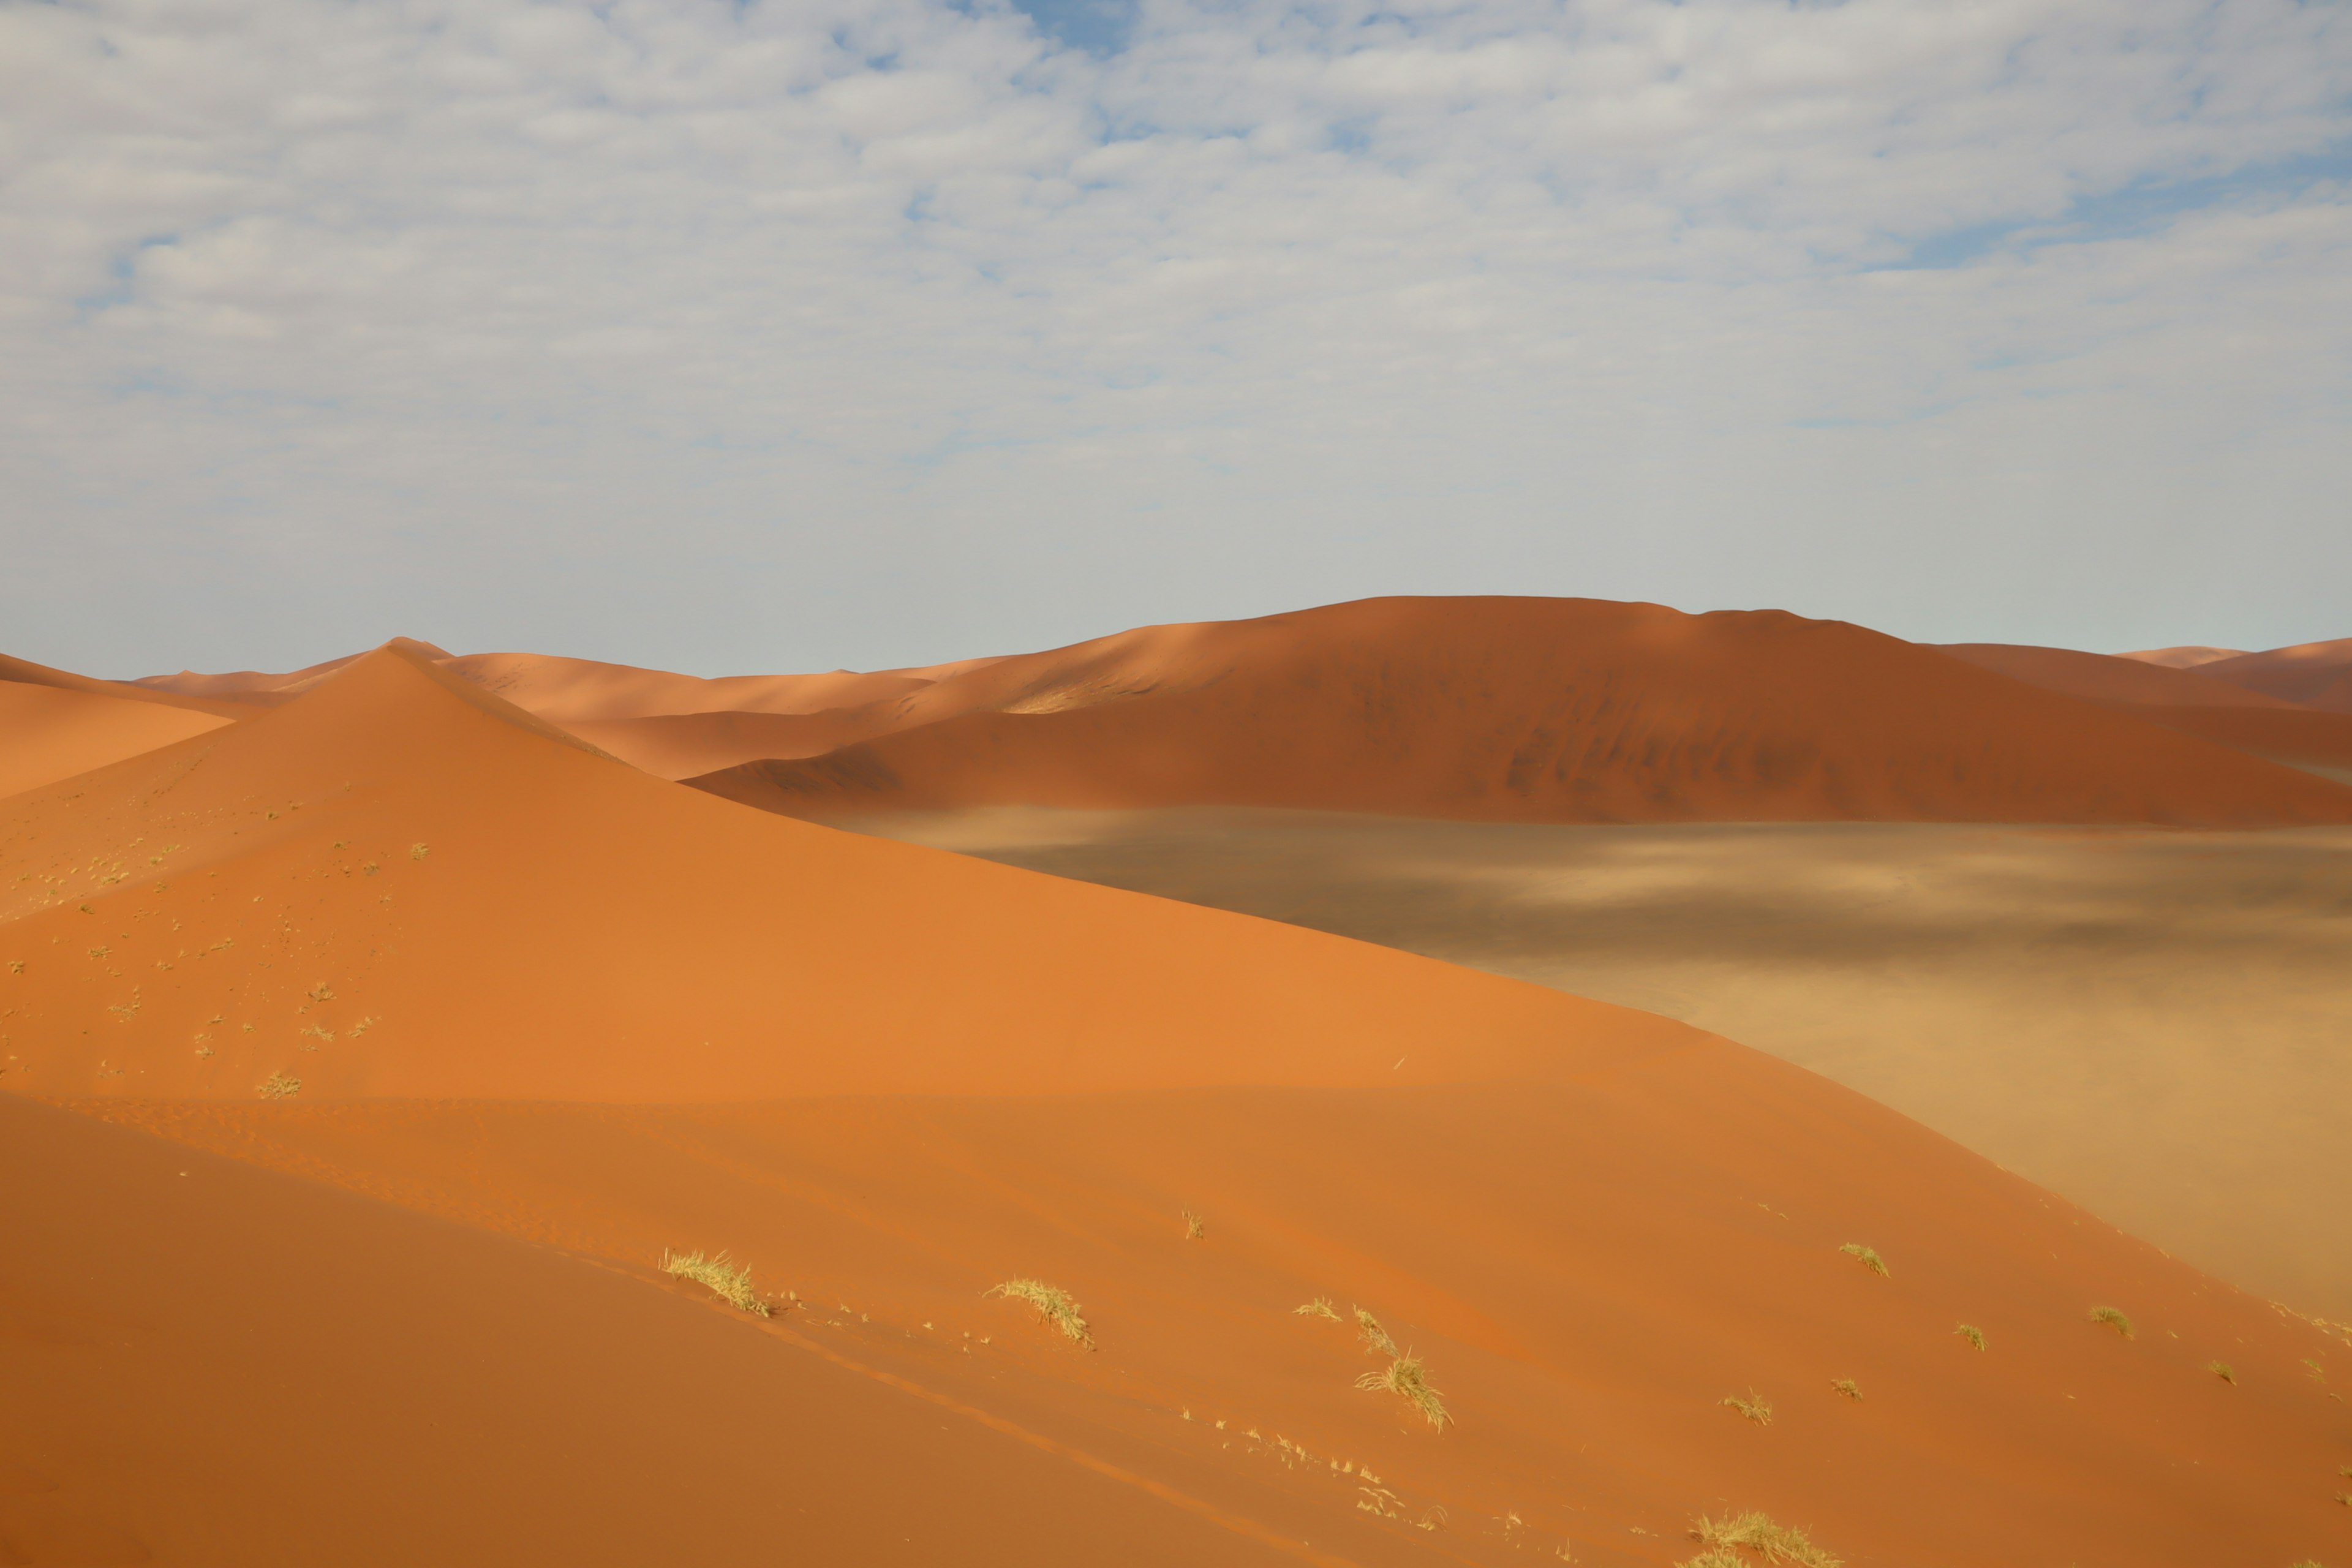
(1318, 1308)
(1196, 1228)
(2114, 1319)
(281, 1086)
(1865, 1255)
(1053, 1303)
(1408, 1379)
(1971, 1333)
(1756, 1407)
(728, 1282)
(1757, 1533)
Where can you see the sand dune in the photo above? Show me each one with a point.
(206, 1363)
(2301, 737)
(2148, 1022)
(682, 745)
(464, 878)
(1531, 709)
(25, 672)
(532, 990)
(2104, 678)
(2187, 656)
(2318, 675)
(52, 732)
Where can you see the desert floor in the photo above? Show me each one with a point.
(2154, 1024)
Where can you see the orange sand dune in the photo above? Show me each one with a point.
(398, 883)
(52, 732)
(1588, 1269)
(2187, 656)
(2101, 678)
(2318, 675)
(566, 690)
(681, 745)
(2304, 737)
(1531, 709)
(498, 977)
(204, 1364)
(25, 672)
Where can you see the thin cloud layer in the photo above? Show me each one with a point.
(1201, 309)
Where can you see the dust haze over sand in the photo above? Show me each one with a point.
(432, 993)
(2151, 1024)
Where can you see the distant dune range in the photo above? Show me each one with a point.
(398, 936)
(1540, 711)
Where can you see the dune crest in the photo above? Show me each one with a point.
(2318, 675)
(52, 732)
(1536, 711)
(499, 911)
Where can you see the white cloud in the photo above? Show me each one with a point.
(860, 289)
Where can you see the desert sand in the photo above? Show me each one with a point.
(2186, 655)
(1535, 709)
(2318, 675)
(449, 1013)
(52, 732)
(2148, 1023)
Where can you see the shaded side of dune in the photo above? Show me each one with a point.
(1562, 710)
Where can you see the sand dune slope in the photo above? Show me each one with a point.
(2186, 655)
(1587, 1269)
(52, 732)
(402, 885)
(25, 672)
(205, 1364)
(2103, 678)
(489, 974)
(2318, 675)
(1531, 709)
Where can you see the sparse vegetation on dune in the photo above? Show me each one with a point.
(2114, 1319)
(1756, 1532)
(1376, 1338)
(1408, 1379)
(1053, 1303)
(1865, 1255)
(1756, 1407)
(1318, 1308)
(1971, 1333)
(281, 1086)
(1848, 1387)
(2222, 1370)
(731, 1283)
(1196, 1228)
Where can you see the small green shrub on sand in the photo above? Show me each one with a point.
(1053, 1303)
(729, 1283)
(2221, 1370)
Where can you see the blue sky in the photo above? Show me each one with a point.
(875, 332)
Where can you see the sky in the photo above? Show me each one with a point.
(726, 337)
